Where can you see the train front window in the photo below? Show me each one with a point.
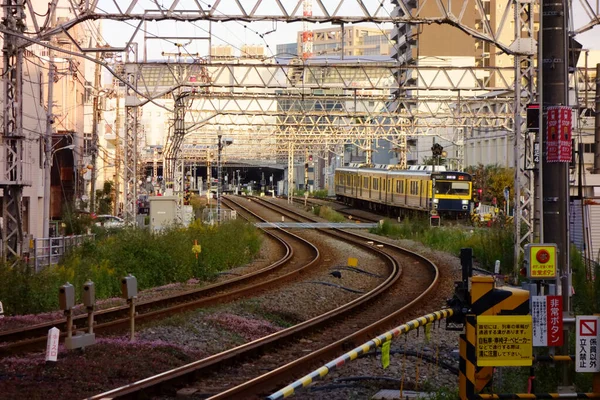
(457, 188)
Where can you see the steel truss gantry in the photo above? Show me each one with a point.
(341, 11)
(12, 178)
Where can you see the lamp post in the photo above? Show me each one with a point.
(47, 182)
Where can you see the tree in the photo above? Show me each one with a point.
(104, 198)
(492, 179)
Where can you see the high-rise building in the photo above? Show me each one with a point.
(357, 41)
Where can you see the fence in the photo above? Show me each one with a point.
(49, 251)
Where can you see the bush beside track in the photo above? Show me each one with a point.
(154, 259)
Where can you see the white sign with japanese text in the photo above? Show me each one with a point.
(586, 350)
(546, 313)
(539, 314)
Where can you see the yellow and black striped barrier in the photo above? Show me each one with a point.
(363, 349)
(486, 299)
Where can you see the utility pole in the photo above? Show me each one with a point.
(219, 177)
(554, 93)
(555, 175)
(117, 154)
(95, 122)
(48, 147)
(596, 169)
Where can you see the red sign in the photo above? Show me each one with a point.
(554, 320)
(558, 134)
(588, 327)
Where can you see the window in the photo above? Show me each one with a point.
(399, 186)
(376, 184)
(414, 187)
(348, 180)
(589, 147)
(366, 183)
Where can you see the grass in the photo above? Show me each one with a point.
(488, 244)
(154, 259)
(328, 213)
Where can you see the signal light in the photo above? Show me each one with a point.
(523, 271)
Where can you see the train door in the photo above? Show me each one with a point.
(422, 196)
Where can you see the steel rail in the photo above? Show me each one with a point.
(116, 317)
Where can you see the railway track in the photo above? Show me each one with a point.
(352, 213)
(290, 353)
(114, 319)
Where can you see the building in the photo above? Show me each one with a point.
(357, 41)
(420, 45)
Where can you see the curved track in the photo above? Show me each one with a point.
(116, 318)
(292, 352)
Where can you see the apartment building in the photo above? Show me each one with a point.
(352, 40)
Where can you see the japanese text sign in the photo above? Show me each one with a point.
(542, 261)
(546, 312)
(504, 340)
(558, 134)
(586, 344)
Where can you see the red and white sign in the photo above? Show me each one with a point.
(52, 344)
(587, 357)
(546, 312)
(558, 134)
(588, 327)
(555, 321)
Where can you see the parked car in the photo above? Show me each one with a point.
(109, 221)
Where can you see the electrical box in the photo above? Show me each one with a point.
(163, 211)
(540, 260)
(129, 287)
(89, 294)
(66, 296)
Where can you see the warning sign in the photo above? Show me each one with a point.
(586, 354)
(504, 340)
(541, 260)
(546, 312)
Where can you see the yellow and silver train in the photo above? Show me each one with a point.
(401, 192)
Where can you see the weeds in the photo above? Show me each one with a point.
(154, 259)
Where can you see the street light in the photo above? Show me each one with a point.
(47, 181)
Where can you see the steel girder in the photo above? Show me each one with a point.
(12, 179)
(340, 11)
(130, 147)
(526, 214)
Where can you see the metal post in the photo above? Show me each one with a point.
(219, 177)
(131, 302)
(48, 148)
(95, 122)
(596, 169)
(556, 175)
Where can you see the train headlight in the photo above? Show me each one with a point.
(465, 201)
(436, 201)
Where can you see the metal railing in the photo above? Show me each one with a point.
(49, 251)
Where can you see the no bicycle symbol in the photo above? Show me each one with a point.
(588, 327)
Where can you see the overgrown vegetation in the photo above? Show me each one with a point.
(328, 213)
(488, 244)
(154, 259)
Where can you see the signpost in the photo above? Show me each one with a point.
(52, 344)
(547, 321)
(504, 340)
(540, 261)
(586, 353)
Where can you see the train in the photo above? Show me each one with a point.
(403, 192)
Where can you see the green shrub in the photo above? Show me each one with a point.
(154, 259)
(330, 215)
(489, 244)
(320, 194)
